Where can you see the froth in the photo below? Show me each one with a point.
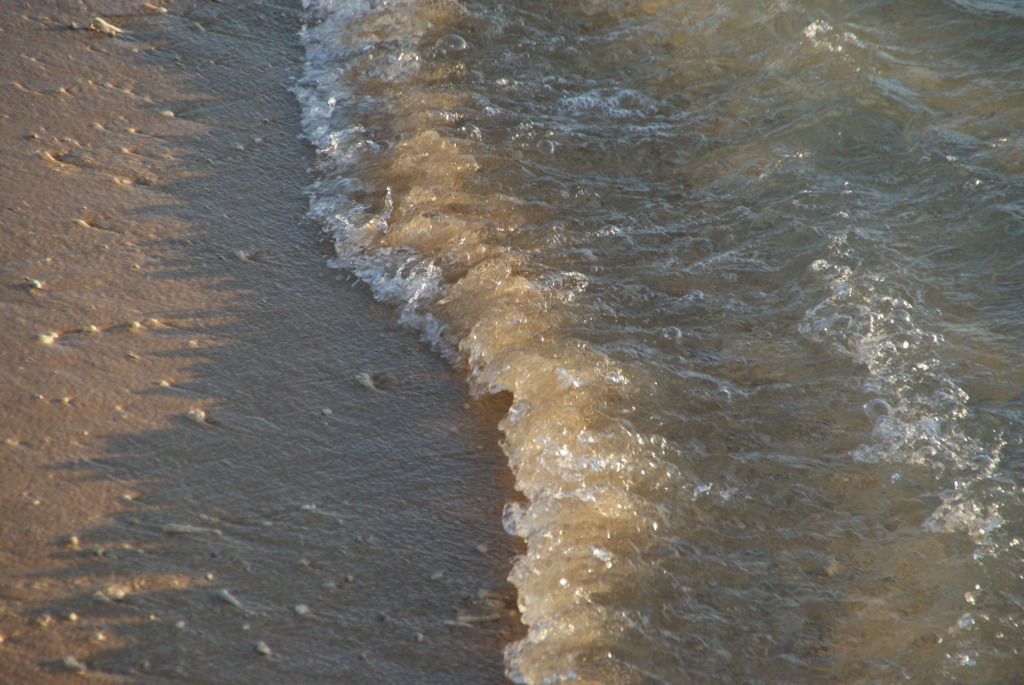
(921, 416)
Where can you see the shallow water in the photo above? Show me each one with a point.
(751, 277)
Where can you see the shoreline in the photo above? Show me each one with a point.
(197, 485)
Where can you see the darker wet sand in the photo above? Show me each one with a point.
(194, 483)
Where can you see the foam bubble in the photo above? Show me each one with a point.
(450, 44)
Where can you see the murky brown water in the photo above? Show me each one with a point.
(751, 274)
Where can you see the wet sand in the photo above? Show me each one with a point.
(198, 483)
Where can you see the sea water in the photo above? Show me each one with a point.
(750, 275)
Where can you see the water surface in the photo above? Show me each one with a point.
(751, 276)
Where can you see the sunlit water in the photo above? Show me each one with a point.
(752, 274)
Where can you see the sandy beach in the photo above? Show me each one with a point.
(222, 462)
